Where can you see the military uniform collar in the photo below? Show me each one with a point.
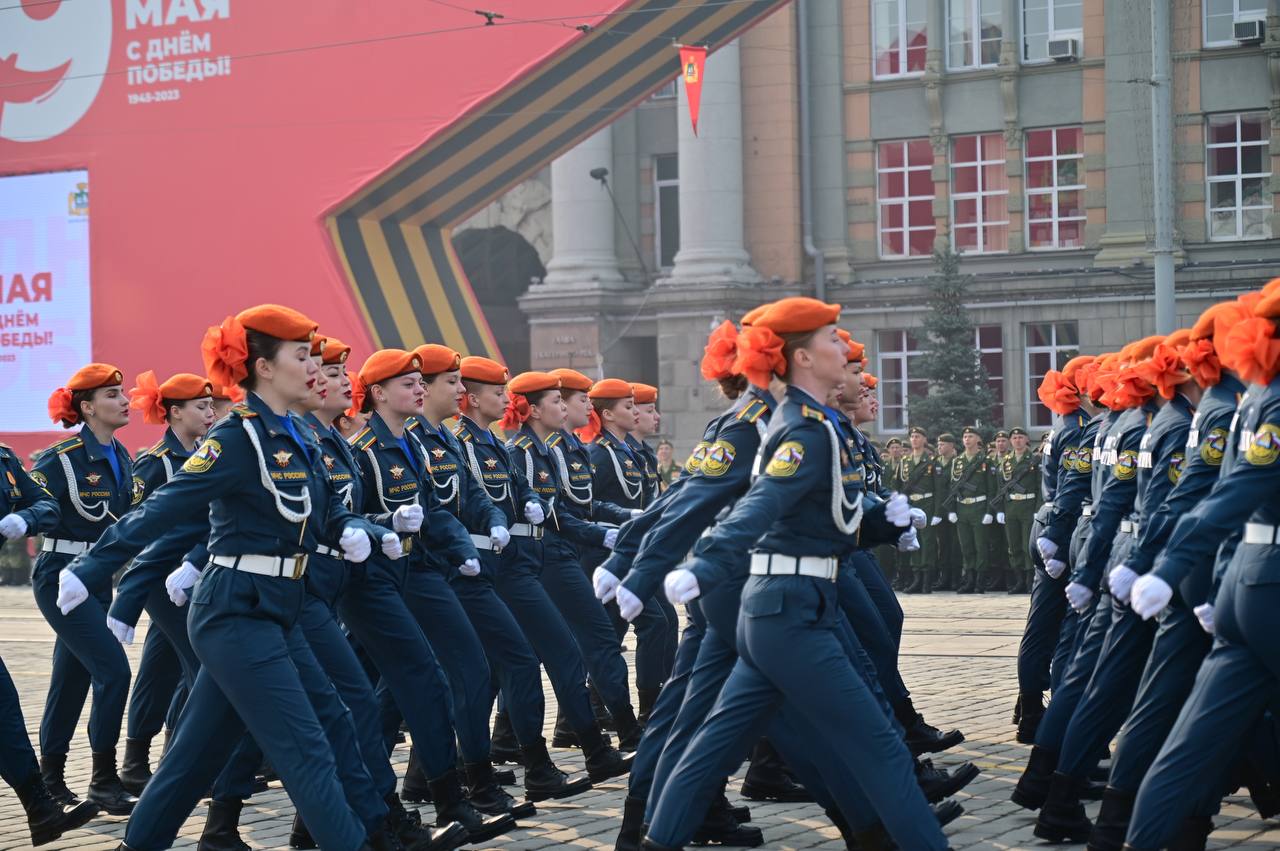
(271, 421)
(1182, 402)
(175, 447)
(93, 449)
(1230, 384)
(608, 437)
(761, 394)
(535, 444)
(382, 431)
(474, 429)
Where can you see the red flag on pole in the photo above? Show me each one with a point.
(692, 62)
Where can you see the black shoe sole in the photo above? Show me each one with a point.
(791, 796)
(72, 820)
(1028, 801)
(1063, 833)
(566, 790)
(113, 809)
(619, 769)
(415, 796)
(449, 838)
(491, 831)
(942, 743)
(948, 812)
(742, 815)
(505, 757)
(134, 786)
(963, 776)
(742, 837)
(565, 742)
(505, 777)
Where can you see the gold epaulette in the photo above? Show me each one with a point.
(462, 434)
(158, 450)
(813, 413)
(753, 411)
(67, 445)
(555, 439)
(364, 439)
(244, 412)
(522, 441)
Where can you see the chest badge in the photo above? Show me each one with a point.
(628, 463)
(397, 472)
(576, 466)
(328, 462)
(491, 463)
(437, 454)
(282, 458)
(93, 478)
(543, 475)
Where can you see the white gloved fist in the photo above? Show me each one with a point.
(355, 544)
(1149, 595)
(918, 518)
(629, 605)
(499, 537)
(898, 511)
(1055, 568)
(1120, 581)
(71, 591)
(180, 581)
(1000, 517)
(934, 521)
(391, 546)
(470, 567)
(533, 512)
(1048, 549)
(408, 518)
(610, 538)
(1204, 614)
(1079, 597)
(605, 584)
(13, 526)
(908, 541)
(121, 630)
(986, 519)
(952, 517)
(636, 512)
(681, 586)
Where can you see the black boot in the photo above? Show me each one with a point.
(842, 825)
(52, 771)
(135, 771)
(46, 818)
(632, 825)
(1113, 820)
(1033, 785)
(503, 747)
(563, 735)
(629, 729)
(943, 581)
(490, 798)
(648, 697)
(719, 827)
(415, 787)
(603, 717)
(938, 783)
(768, 779)
(1019, 583)
(451, 806)
(922, 737)
(603, 760)
(105, 789)
(926, 585)
(874, 838)
(222, 828)
(649, 845)
(543, 781)
(995, 581)
(1063, 819)
(916, 585)
(408, 830)
(299, 836)
(947, 812)
(1193, 834)
(968, 584)
(1031, 704)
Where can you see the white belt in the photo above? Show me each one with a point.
(774, 564)
(525, 530)
(1261, 533)
(483, 543)
(67, 548)
(284, 567)
(916, 497)
(331, 552)
(1020, 497)
(1048, 505)
(1086, 511)
(1130, 527)
(973, 500)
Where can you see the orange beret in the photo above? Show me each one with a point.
(797, 315)
(1178, 338)
(1141, 349)
(610, 388)
(533, 382)
(646, 394)
(389, 363)
(1268, 307)
(755, 313)
(571, 379)
(436, 359)
(1072, 366)
(483, 370)
(225, 347)
(317, 345)
(283, 323)
(869, 381)
(149, 397)
(95, 375)
(857, 351)
(226, 393)
(335, 351)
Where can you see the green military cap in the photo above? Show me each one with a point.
(1002, 433)
(1018, 430)
(947, 437)
(893, 441)
(919, 431)
(971, 430)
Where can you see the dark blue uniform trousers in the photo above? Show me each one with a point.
(1238, 680)
(412, 683)
(253, 674)
(170, 622)
(874, 638)
(85, 653)
(1047, 609)
(154, 687)
(17, 759)
(1091, 631)
(656, 636)
(882, 594)
(792, 654)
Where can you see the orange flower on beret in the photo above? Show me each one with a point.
(1251, 350)
(89, 377)
(225, 348)
(759, 355)
(436, 359)
(645, 394)
(571, 379)
(1058, 393)
(1164, 370)
(720, 352)
(149, 397)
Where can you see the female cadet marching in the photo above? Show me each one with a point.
(91, 476)
(809, 499)
(261, 483)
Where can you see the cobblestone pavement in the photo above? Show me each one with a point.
(958, 658)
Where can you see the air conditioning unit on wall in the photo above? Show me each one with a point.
(1064, 49)
(1248, 32)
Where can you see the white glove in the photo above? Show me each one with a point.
(605, 584)
(13, 526)
(918, 518)
(1079, 597)
(908, 541)
(533, 512)
(636, 512)
(500, 537)
(898, 511)
(355, 544)
(71, 591)
(179, 582)
(470, 567)
(1000, 517)
(1149, 595)
(121, 630)
(629, 605)
(986, 519)
(1055, 568)
(1204, 614)
(934, 521)
(1048, 549)
(1121, 580)
(952, 517)
(610, 538)
(391, 546)
(681, 586)
(408, 518)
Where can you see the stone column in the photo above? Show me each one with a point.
(830, 188)
(582, 217)
(712, 244)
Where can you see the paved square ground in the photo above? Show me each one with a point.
(958, 659)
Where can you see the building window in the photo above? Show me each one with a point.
(979, 195)
(1046, 20)
(897, 362)
(1238, 170)
(1221, 15)
(1049, 345)
(900, 37)
(666, 209)
(905, 194)
(989, 342)
(1055, 188)
(973, 34)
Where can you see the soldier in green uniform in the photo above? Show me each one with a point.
(997, 555)
(895, 565)
(1018, 476)
(916, 481)
(947, 544)
(970, 509)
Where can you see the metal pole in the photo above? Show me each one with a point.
(1162, 162)
(806, 155)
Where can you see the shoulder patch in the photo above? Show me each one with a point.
(753, 411)
(693, 463)
(1264, 445)
(139, 490)
(786, 459)
(1126, 465)
(1213, 446)
(813, 413)
(718, 458)
(1175, 467)
(39, 478)
(204, 457)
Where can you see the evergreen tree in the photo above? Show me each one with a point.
(959, 394)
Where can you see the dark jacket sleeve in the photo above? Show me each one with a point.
(35, 505)
(1074, 479)
(1115, 503)
(1158, 520)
